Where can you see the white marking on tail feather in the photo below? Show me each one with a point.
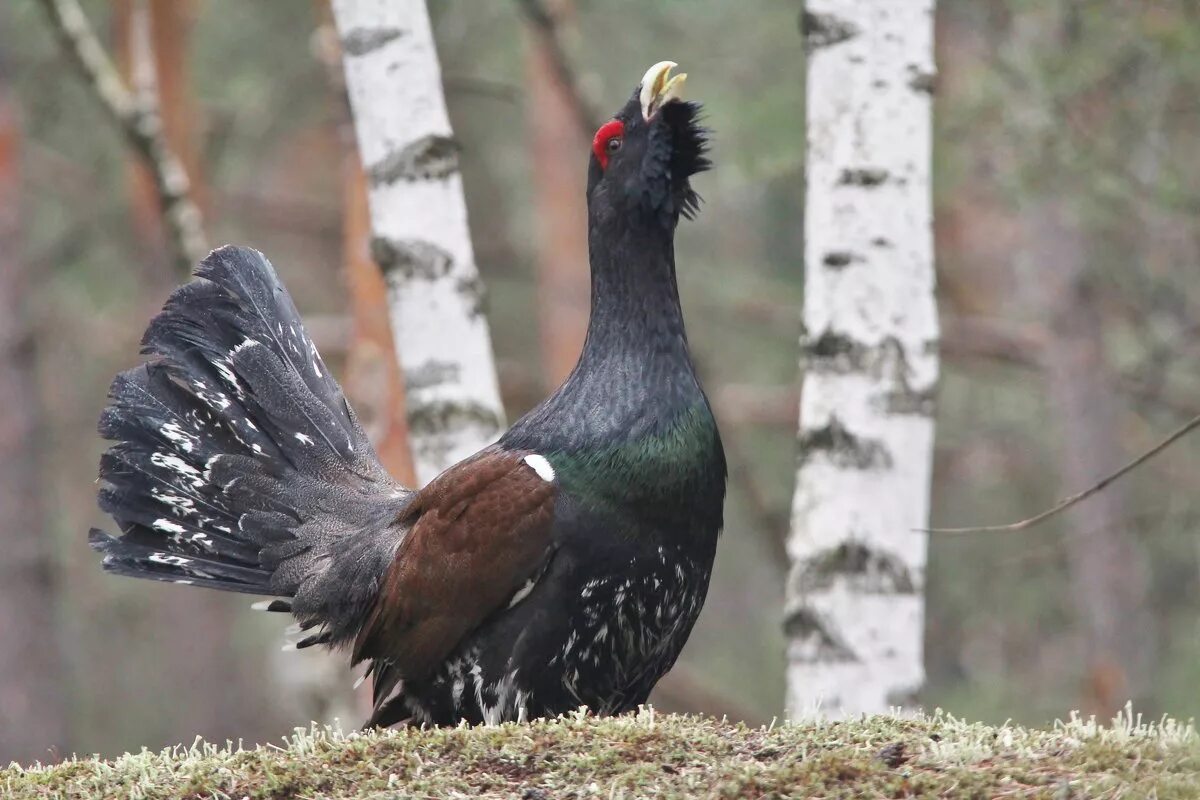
(541, 466)
(218, 401)
(199, 538)
(177, 464)
(182, 505)
(312, 348)
(176, 434)
(166, 525)
(225, 368)
(169, 560)
(303, 438)
(245, 343)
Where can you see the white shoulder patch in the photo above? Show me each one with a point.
(541, 466)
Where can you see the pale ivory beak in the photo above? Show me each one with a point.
(659, 88)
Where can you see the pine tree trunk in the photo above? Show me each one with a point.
(558, 147)
(33, 693)
(855, 605)
(420, 235)
(152, 47)
(373, 378)
(1106, 569)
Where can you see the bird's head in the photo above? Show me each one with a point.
(643, 158)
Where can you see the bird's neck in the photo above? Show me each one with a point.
(631, 425)
(635, 311)
(634, 379)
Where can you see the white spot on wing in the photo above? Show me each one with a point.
(541, 466)
(523, 592)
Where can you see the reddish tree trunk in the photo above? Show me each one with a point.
(557, 147)
(373, 376)
(216, 692)
(32, 691)
(151, 54)
(1107, 570)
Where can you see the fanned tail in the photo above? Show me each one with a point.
(237, 463)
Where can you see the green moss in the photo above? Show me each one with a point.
(649, 755)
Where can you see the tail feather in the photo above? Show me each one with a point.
(125, 557)
(237, 463)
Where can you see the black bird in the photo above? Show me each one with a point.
(562, 566)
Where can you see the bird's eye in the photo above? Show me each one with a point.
(607, 141)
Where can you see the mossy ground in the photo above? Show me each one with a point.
(652, 755)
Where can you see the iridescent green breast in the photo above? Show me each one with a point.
(657, 472)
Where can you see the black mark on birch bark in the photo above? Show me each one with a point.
(823, 30)
(832, 352)
(839, 354)
(840, 259)
(431, 373)
(428, 158)
(361, 41)
(813, 640)
(473, 295)
(920, 80)
(842, 448)
(868, 570)
(406, 260)
(442, 416)
(863, 176)
(904, 399)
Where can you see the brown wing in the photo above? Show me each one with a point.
(480, 530)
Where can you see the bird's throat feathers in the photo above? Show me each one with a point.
(681, 459)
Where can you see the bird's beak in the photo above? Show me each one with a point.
(659, 88)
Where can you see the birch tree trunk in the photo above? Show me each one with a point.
(855, 604)
(419, 225)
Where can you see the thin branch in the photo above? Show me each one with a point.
(140, 122)
(1063, 505)
(545, 27)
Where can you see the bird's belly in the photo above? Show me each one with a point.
(629, 631)
(602, 642)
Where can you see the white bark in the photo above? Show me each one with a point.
(419, 226)
(855, 594)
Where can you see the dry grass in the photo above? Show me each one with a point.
(651, 755)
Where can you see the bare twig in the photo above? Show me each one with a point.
(139, 120)
(545, 27)
(1063, 505)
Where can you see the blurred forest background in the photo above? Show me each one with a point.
(1068, 247)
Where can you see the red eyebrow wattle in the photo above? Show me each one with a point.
(614, 127)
